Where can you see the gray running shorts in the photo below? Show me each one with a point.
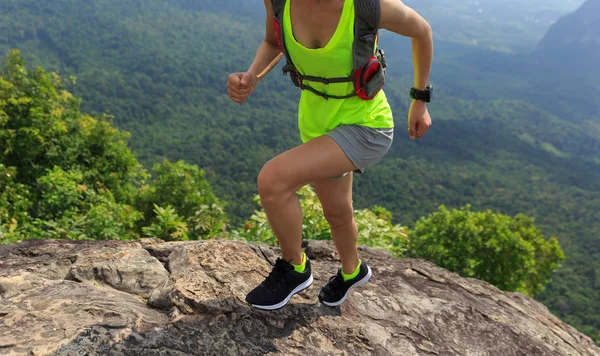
(362, 145)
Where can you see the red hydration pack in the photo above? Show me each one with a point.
(368, 74)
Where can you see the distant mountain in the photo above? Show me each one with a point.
(510, 26)
(564, 76)
(573, 42)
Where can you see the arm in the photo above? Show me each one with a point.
(267, 54)
(399, 18)
(241, 85)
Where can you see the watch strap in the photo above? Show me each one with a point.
(424, 95)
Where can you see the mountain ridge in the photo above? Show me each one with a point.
(574, 40)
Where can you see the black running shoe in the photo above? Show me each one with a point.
(335, 291)
(281, 284)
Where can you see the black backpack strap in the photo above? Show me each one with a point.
(278, 7)
(367, 14)
(327, 96)
(366, 26)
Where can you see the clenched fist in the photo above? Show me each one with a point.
(241, 85)
(419, 120)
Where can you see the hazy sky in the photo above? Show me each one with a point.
(505, 25)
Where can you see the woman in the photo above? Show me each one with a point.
(340, 136)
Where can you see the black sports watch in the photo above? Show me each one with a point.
(424, 95)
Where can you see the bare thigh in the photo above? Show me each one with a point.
(320, 158)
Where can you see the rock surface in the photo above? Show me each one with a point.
(155, 298)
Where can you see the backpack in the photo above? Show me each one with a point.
(368, 74)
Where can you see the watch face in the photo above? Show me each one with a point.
(424, 95)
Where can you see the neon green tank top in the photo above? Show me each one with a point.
(316, 115)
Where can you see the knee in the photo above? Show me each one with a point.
(271, 183)
(339, 216)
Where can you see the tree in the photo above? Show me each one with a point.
(41, 127)
(64, 174)
(14, 204)
(184, 192)
(508, 252)
(68, 208)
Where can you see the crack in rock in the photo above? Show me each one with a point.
(151, 297)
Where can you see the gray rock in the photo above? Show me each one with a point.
(195, 306)
(39, 315)
(127, 268)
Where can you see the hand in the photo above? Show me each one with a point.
(241, 85)
(419, 120)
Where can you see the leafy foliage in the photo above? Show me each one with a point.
(64, 174)
(376, 229)
(184, 189)
(510, 253)
(69, 208)
(14, 204)
(167, 225)
(42, 128)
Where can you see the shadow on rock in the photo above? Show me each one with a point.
(244, 331)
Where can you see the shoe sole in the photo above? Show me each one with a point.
(296, 290)
(364, 280)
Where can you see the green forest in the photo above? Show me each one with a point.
(68, 175)
(503, 140)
